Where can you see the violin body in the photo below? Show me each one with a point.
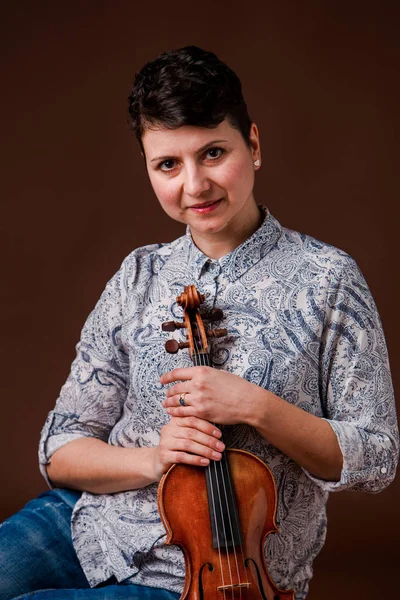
(228, 573)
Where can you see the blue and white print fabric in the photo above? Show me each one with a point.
(301, 323)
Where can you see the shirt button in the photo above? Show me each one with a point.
(384, 470)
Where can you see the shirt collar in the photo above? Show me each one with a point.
(242, 258)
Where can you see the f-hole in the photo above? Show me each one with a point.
(260, 586)
(201, 589)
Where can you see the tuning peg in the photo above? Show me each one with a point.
(216, 314)
(216, 333)
(172, 346)
(172, 325)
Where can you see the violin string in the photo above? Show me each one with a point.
(197, 363)
(220, 467)
(230, 523)
(235, 515)
(218, 542)
(216, 467)
(237, 527)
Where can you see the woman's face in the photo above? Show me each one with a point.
(204, 178)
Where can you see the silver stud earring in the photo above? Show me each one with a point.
(257, 163)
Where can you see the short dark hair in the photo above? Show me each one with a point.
(187, 86)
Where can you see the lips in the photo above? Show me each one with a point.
(205, 204)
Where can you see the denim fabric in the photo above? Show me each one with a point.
(38, 561)
(112, 592)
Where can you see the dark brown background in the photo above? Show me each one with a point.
(321, 81)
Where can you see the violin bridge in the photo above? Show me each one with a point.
(234, 586)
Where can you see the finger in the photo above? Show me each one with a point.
(195, 409)
(181, 374)
(181, 411)
(189, 446)
(194, 448)
(170, 456)
(189, 459)
(194, 422)
(175, 400)
(177, 389)
(190, 439)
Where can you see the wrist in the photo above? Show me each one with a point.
(139, 467)
(157, 469)
(257, 407)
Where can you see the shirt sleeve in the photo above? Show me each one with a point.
(92, 398)
(355, 385)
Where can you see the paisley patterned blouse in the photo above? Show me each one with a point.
(301, 323)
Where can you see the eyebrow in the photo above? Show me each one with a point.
(199, 151)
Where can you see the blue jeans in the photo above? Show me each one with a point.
(38, 560)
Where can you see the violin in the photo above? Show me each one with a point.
(219, 515)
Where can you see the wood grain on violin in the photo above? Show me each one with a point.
(219, 515)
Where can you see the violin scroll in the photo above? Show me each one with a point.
(197, 333)
(190, 299)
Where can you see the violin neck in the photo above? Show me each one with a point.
(224, 518)
(201, 359)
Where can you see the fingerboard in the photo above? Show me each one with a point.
(224, 517)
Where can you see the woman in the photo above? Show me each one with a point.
(302, 378)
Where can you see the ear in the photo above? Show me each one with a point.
(254, 139)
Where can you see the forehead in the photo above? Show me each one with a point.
(186, 139)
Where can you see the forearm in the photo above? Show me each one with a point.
(307, 439)
(91, 465)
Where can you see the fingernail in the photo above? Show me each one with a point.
(216, 455)
(220, 445)
(204, 461)
(216, 433)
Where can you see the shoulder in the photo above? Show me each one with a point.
(333, 276)
(328, 261)
(135, 276)
(146, 261)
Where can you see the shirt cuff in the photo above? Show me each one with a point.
(356, 473)
(49, 443)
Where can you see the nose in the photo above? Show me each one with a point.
(196, 181)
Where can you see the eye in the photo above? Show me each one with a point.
(214, 153)
(167, 165)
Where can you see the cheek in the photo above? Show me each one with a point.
(238, 177)
(165, 192)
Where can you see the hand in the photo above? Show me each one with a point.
(187, 440)
(210, 394)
